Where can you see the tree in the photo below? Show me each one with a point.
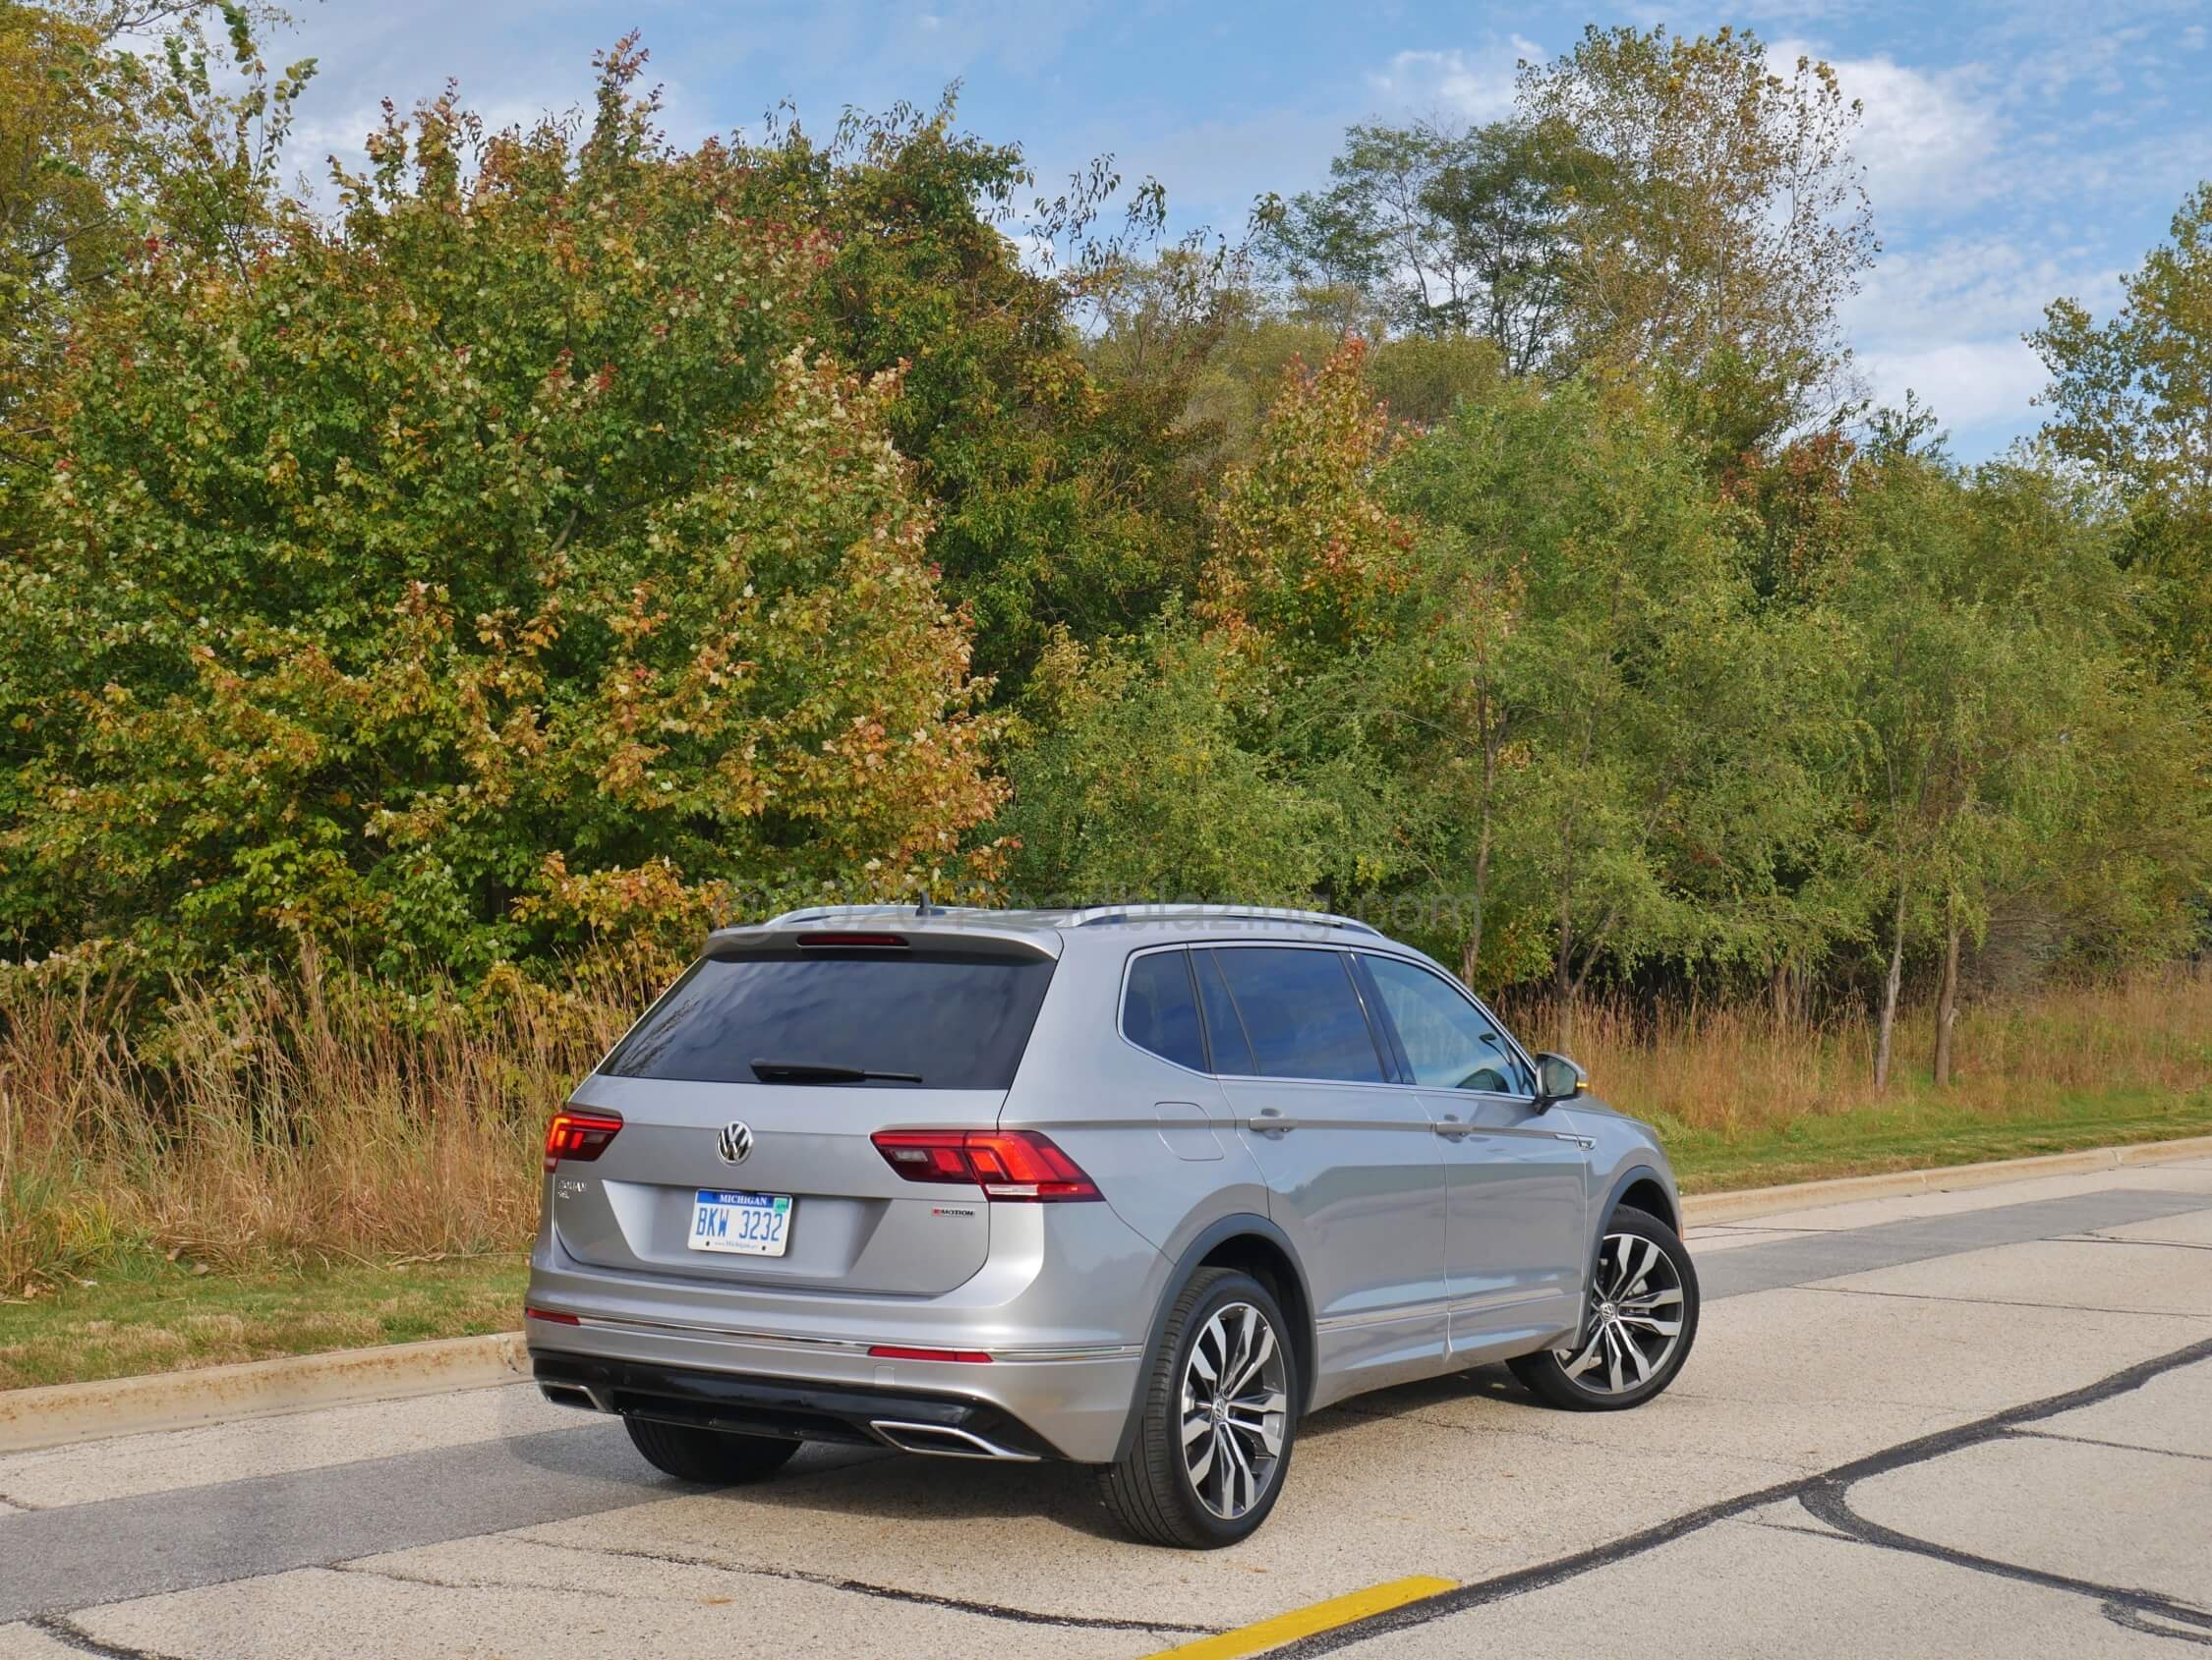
(1433, 230)
(493, 564)
(2132, 400)
(1623, 726)
(1982, 627)
(1718, 219)
(1067, 498)
(103, 148)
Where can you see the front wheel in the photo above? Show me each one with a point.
(711, 1456)
(1643, 1318)
(1214, 1439)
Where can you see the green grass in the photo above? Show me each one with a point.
(146, 1314)
(1923, 1131)
(138, 1314)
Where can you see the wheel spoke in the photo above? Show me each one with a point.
(1645, 1323)
(1208, 1369)
(1666, 1296)
(1199, 1466)
(1588, 1359)
(1612, 1356)
(1243, 1487)
(1194, 1426)
(1637, 1362)
(1263, 1349)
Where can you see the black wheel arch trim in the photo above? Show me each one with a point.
(1193, 1255)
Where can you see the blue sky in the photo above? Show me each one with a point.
(2015, 151)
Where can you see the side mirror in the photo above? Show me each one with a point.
(1558, 1079)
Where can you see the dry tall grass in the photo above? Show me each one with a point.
(310, 1116)
(318, 1115)
(1738, 1067)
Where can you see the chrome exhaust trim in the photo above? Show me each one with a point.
(942, 1441)
(581, 1396)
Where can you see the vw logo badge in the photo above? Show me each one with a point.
(735, 1143)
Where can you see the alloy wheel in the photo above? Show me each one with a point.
(1635, 1317)
(1235, 1397)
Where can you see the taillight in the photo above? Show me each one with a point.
(582, 1136)
(1006, 1163)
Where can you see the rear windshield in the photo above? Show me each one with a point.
(952, 1022)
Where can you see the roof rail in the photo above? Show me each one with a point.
(1099, 915)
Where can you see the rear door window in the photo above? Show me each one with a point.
(1300, 1012)
(951, 1021)
(1225, 1027)
(1160, 1011)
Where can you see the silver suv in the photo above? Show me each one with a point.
(1133, 1187)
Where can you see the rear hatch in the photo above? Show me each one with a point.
(756, 1085)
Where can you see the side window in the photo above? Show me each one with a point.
(1300, 1012)
(1450, 1043)
(1225, 1027)
(1160, 1013)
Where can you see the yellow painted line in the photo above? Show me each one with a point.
(1304, 1622)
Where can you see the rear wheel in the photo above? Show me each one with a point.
(1213, 1440)
(711, 1456)
(1643, 1318)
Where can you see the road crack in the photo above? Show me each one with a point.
(888, 1593)
(69, 1634)
(1823, 1497)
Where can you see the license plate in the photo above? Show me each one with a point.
(748, 1223)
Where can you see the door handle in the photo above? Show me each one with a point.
(1452, 1130)
(1585, 1142)
(1272, 1122)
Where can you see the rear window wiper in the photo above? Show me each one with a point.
(816, 1072)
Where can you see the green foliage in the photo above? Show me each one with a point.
(492, 566)
(1141, 783)
(2132, 399)
(1064, 499)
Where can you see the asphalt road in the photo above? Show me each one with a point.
(1960, 1424)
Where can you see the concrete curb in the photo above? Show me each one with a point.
(67, 1412)
(207, 1394)
(1701, 1209)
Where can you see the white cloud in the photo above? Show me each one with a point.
(1927, 137)
(1472, 86)
(1947, 322)
(1969, 383)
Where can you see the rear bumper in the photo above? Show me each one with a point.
(946, 1425)
(1062, 1307)
(1069, 1404)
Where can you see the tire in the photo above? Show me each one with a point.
(1225, 1486)
(712, 1458)
(1628, 1355)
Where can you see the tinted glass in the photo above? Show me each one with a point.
(1300, 1012)
(1225, 1030)
(1449, 1043)
(1160, 1013)
(958, 1022)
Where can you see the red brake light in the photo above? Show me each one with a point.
(1006, 1163)
(582, 1136)
(873, 941)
